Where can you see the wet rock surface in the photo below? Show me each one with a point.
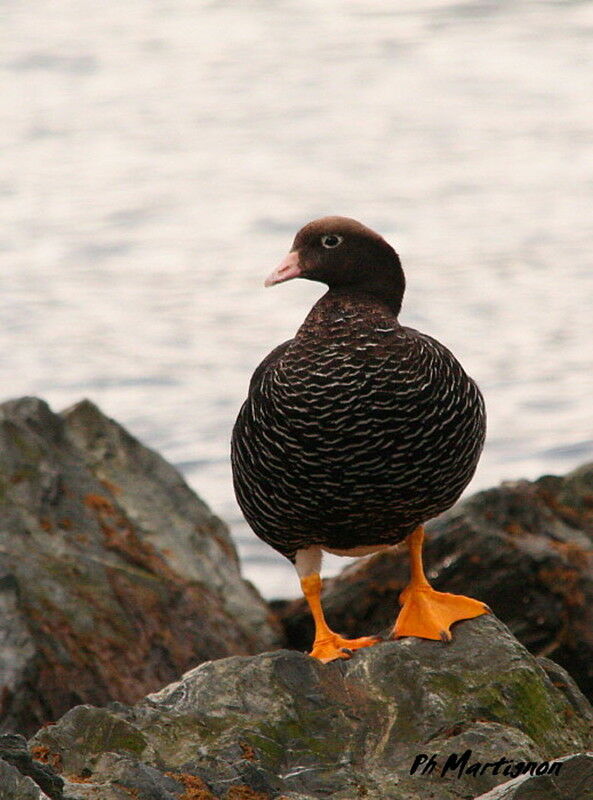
(525, 549)
(283, 725)
(114, 577)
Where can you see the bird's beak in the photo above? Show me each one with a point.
(287, 269)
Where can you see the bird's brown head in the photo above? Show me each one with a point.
(344, 254)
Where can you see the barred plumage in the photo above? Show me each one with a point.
(354, 432)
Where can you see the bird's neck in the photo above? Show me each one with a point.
(384, 287)
(369, 299)
(342, 310)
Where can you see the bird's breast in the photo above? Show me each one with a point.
(341, 403)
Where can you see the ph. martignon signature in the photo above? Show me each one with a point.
(462, 764)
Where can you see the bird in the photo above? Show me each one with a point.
(356, 431)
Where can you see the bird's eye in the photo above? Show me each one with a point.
(331, 240)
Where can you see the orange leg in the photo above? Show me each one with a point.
(425, 612)
(328, 645)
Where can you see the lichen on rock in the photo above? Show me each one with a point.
(114, 577)
(282, 722)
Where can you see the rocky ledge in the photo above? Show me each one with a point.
(282, 725)
(114, 577)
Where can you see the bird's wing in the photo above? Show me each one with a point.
(268, 361)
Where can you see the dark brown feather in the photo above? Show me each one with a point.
(355, 431)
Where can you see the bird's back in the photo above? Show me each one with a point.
(355, 431)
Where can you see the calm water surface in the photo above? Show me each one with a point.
(157, 158)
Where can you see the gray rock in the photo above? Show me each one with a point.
(574, 782)
(114, 577)
(525, 549)
(168, 515)
(562, 680)
(283, 725)
(14, 751)
(14, 786)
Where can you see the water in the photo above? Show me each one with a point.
(157, 158)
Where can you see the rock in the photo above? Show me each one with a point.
(562, 680)
(114, 577)
(25, 777)
(574, 782)
(282, 725)
(525, 549)
(14, 786)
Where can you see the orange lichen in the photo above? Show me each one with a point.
(121, 537)
(575, 517)
(97, 502)
(576, 556)
(454, 730)
(564, 581)
(40, 753)
(124, 540)
(514, 529)
(87, 658)
(111, 487)
(247, 751)
(244, 792)
(79, 778)
(195, 788)
(43, 754)
(226, 547)
(45, 525)
(65, 523)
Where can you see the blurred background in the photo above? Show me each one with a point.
(157, 157)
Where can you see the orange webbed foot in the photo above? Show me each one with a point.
(429, 614)
(333, 647)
